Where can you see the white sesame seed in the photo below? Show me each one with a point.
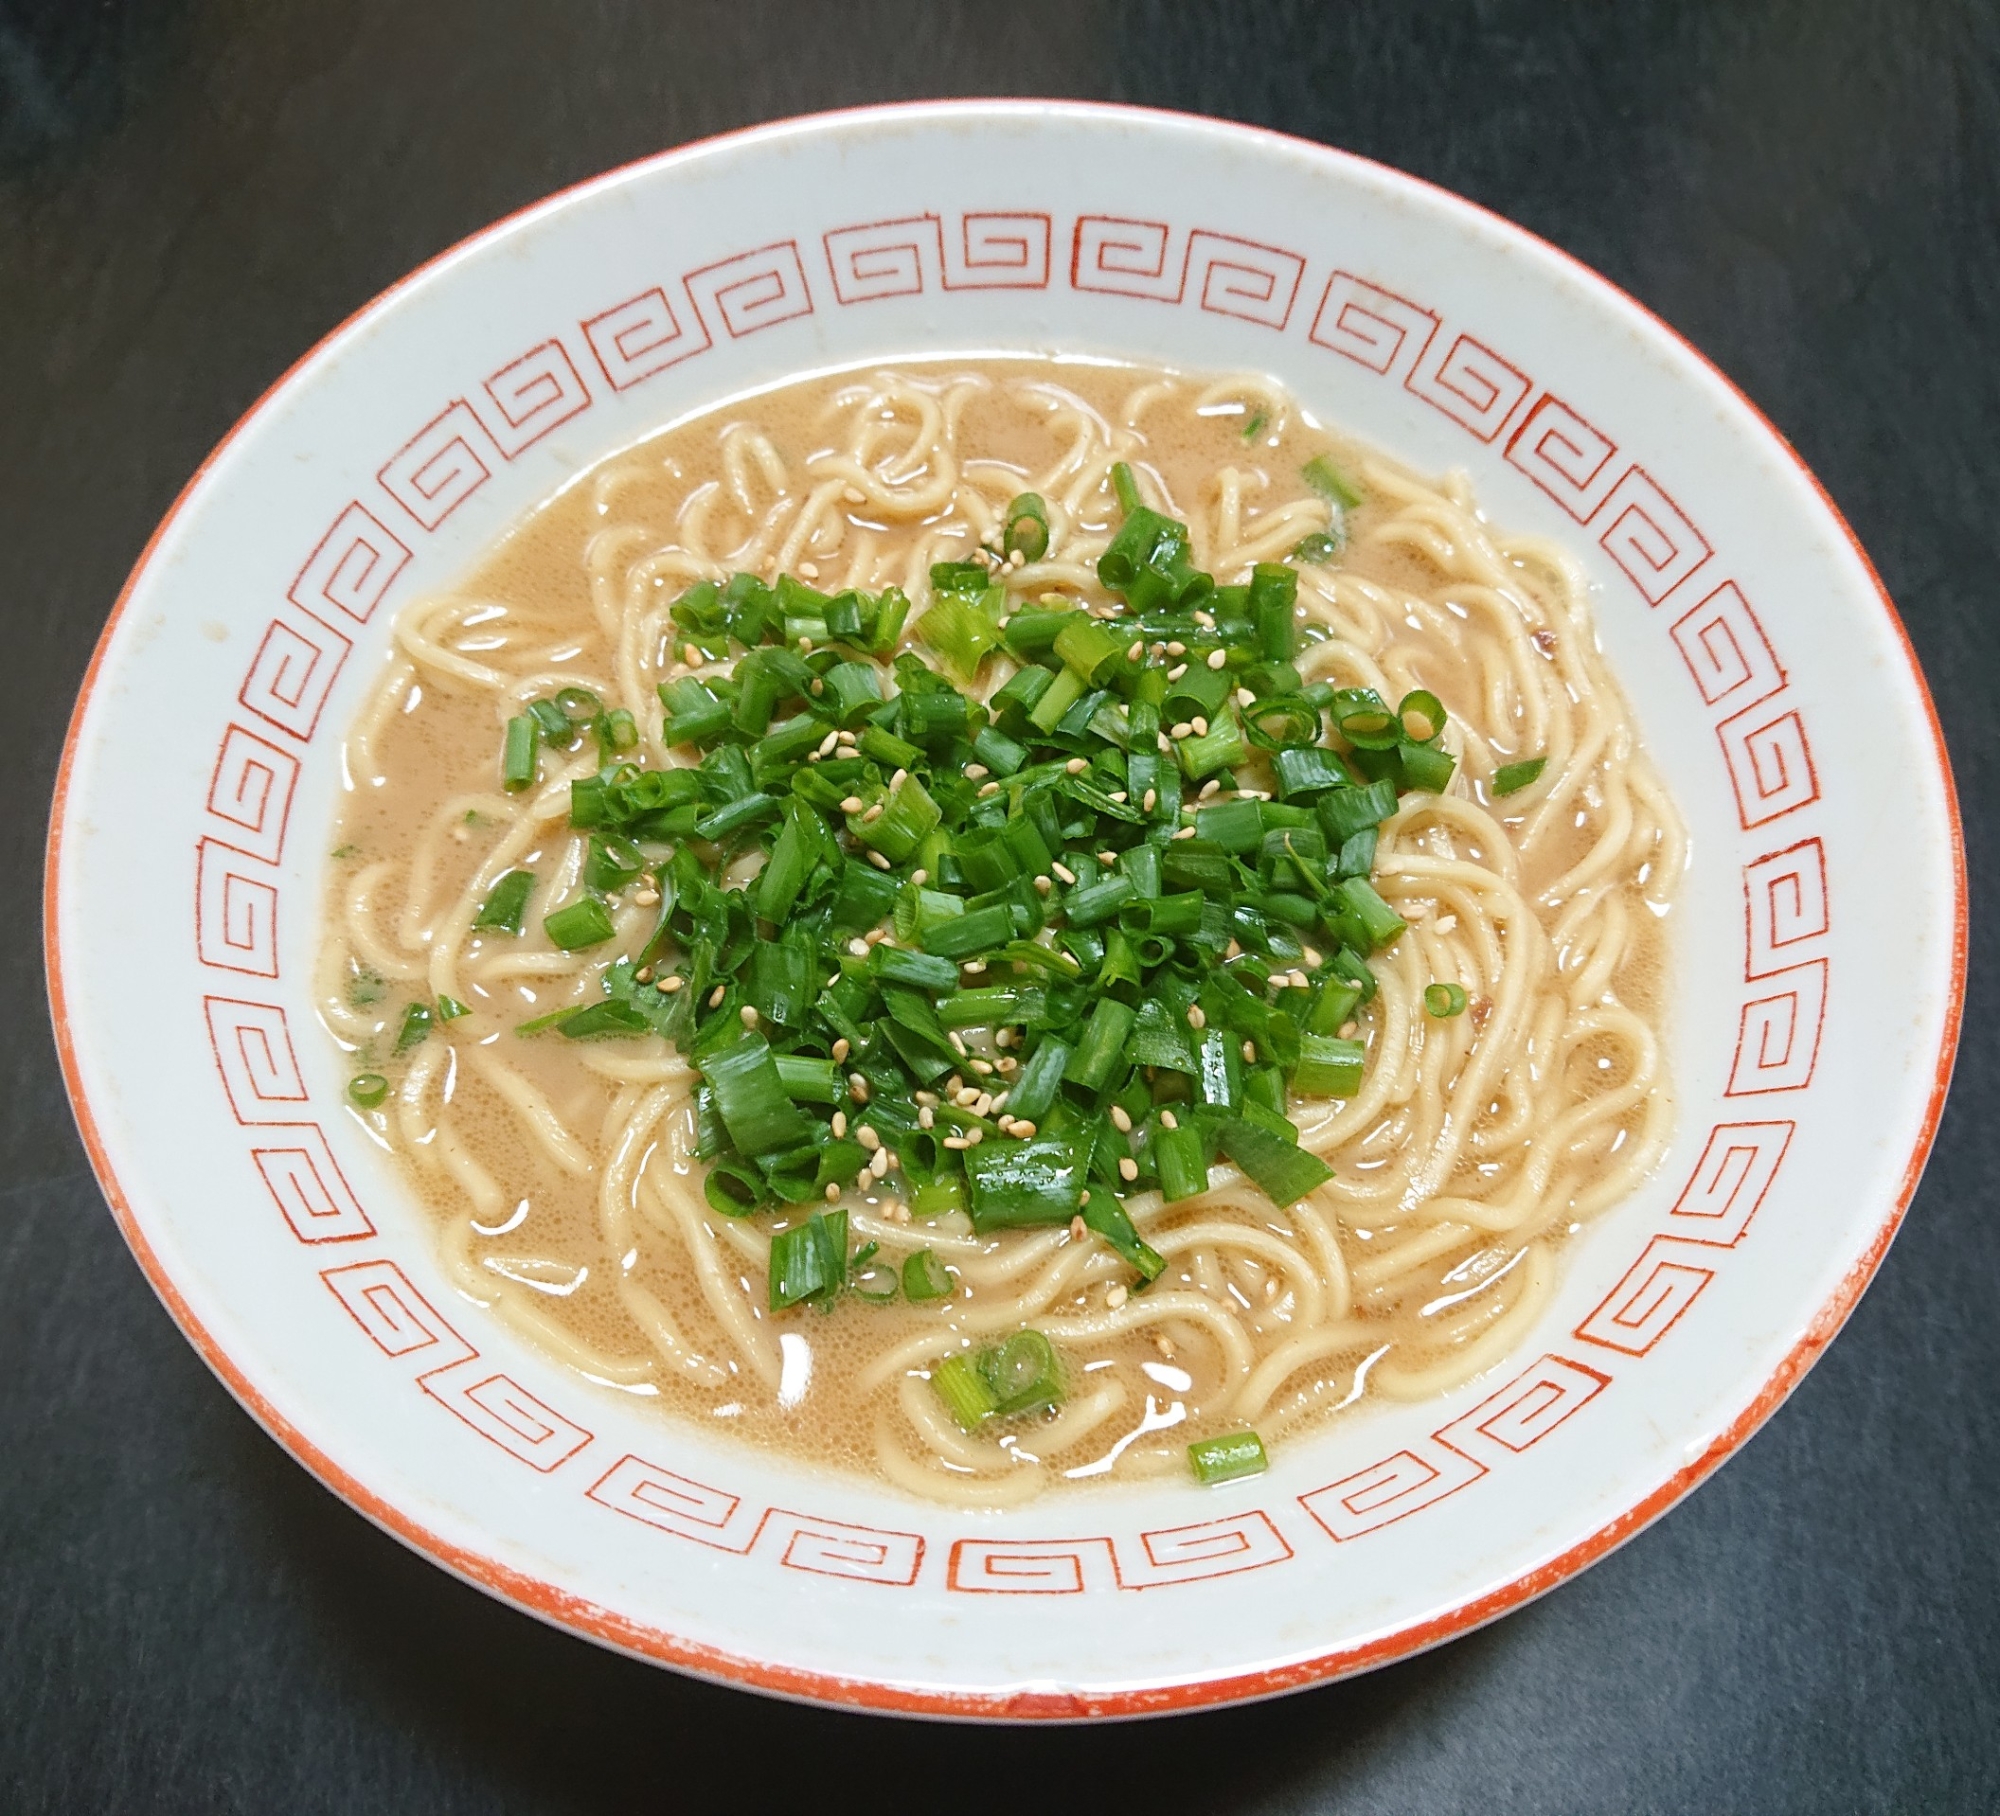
(1178, 670)
(983, 1067)
(872, 815)
(1348, 1030)
(1300, 981)
(1000, 1102)
(1445, 923)
(974, 1137)
(1211, 786)
(827, 743)
(716, 995)
(1121, 1119)
(1118, 795)
(974, 771)
(871, 1139)
(1249, 1052)
(1168, 1120)
(832, 1192)
(839, 1124)
(1200, 726)
(1024, 1129)
(859, 948)
(1186, 832)
(805, 646)
(1217, 658)
(1075, 766)
(1195, 1017)
(1007, 1064)
(749, 1015)
(1137, 650)
(1044, 884)
(670, 984)
(1177, 649)
(876, 935)
(991, 788)
(920, 877)
(957, 1043)
(1128, 1169)
(1116, 1296)
(1077, 1229)
(1165, 746)
(1064, 872)
(898, 779)
(1165, 1346)
(928, 1099)
(1181, 730)
(840, 1051)
(1107, 858)
(1003, 1037)
(1205, 621)
(846, 738)
(879, 1166)
(956, 1141)
(1150, 800)
(853, 804)
(1244, 697)
(975, 967)
(878, 860)
(1313, 958)
(926, 1117)
(818, 688)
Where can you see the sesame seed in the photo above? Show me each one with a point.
(805, 646)
(956, 1142)
(1128, 1169)
(1168, 1120)
(878, 860)
(920, 877)
(974, 1137)
(871, 1139)
(1000, 1102)
(1200, 726)
(1211, 786)
(1007, 1064)
(839, 1125)
(875, 935)
(853, 804)
(749, 1015)
(1077, 1227)
(991, 788)
(975, 771)
(1116, 1296)
(827, 743)
(1165, 1346)
(926, 1117)
(1044, 884)
(872, 815)
(859, 948)
(1217, 658)
(1107, 858)
(818, 687)
(808, 570)
(1181, 730)
(840, 1051)
(1205, 621)
(1150, 800)
(1137, 650)
(845, 737)
(1186, 832)
(896, 1211)
(1270, 1287)
(716, 995)
(981, 1105)
(1064, 872)
(644, 974)
(975, 967)
(1178, 670)
(1446, 923)
(898, 779)
(1249, 1052)
(832, 1192)
(1235, 951)
(1165, 746)
(1348, 1030)
(1300, 981)
(928, 1099)
(1024, 1129)
(857, 1087)
(670, 984)
(1195, 1017)
(1177, 649)
(1244, 697)
(1313, 958)
(1121, 1118)
(983, 1067)
(1075, 766)
(879, 1166)
(1003, 1037)
(1118, 795)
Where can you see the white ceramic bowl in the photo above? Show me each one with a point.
(1815, 1016)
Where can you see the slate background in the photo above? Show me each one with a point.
(193, 191)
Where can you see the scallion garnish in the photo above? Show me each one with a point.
(1444, 1000)
(1511, 778)
(1228, 1459)
(1026, 531)
(368, 1089)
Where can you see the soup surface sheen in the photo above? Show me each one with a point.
(560, 1174)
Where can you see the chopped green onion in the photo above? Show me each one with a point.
(967, 1394)
(809, 1262)
(1444, 1000)
(1026, 530)
(583, 923)
(517, 756)
(416, 1025)
(1228, 1459)
(449, 1008)
(1511, 778)
(1328, 1066)
(750, 1098)
(1023, 1373)
(368, 1089)
(925, 1277)
(1317, 549)
(1330, 483)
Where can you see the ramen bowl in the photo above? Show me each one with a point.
(1813, 1019)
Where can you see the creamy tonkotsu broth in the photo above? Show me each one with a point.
(560, 1173)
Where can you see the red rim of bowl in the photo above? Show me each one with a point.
(576, 1614)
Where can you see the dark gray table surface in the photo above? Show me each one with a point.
(193, 191)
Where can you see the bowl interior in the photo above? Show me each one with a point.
(1745, 626)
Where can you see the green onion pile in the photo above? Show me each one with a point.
(1149, 971)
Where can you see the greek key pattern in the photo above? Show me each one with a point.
(485, 419)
